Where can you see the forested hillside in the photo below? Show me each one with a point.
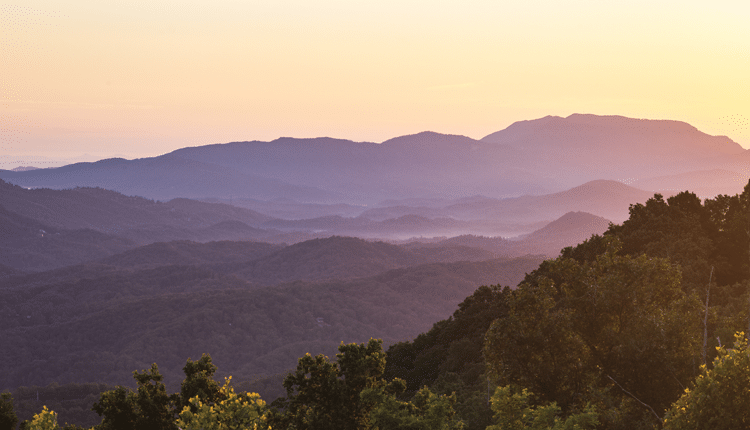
(621, 322)
(609, 334)
(165, 302)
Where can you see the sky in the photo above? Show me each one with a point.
(85, 80)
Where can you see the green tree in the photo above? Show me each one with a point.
(448, 358)
(199, 381)
(150, 408)
(231, 411)
(619, 325)
(8, 417)
(679, 228)
(719, 396)
(514, 411)
(326, 395)
(452, 345)
(118, 409)
(425, 411)
(44, 420)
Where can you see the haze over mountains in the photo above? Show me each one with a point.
(44, 229)
(258, 252)
(508, 184)
(541, 156)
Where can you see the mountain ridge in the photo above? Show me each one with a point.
(538, 156)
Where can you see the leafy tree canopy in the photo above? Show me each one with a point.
(322, 394)
(425, 411)
(8, 417)
(227, 411)
(514, 411)
(621, 324)
(720, 395)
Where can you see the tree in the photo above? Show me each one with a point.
(44, 420)
(149, 408)
(719, 396)
(118, 409)
(679, 228)
(513, 411)
(452, 345)
(199, 381)
(326, 395)
(8, 418)
(619, 325)
(231, 411)
(425, 411)
(448, 358)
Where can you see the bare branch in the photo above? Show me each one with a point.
(705, 317)
(636, 398)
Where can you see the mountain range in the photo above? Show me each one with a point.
(541, 156)
(259, 252)
(44, 229)
(255, 307)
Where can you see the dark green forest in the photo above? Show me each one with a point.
(627, 330)
(623, 321)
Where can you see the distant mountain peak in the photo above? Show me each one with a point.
(599, 184)
(616, 135)
(311, 140)
(428, 137)
(24, 168)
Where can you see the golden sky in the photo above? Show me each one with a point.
(141, 78)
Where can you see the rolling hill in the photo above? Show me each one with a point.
(99, 322)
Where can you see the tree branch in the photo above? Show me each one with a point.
(636, 398)
(705, 317)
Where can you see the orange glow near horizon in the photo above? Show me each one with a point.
(144, 78)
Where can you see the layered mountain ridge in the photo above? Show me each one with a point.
(533, 157)
(259, 252)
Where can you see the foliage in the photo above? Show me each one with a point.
(94, 323)
(226, 411)
(619, 323)
(448, 358)
(513, 411)
(451, 345)
(719, 396)
(696, 236)
(351, 394)
(325, 394)
(44, 420)
(425, 411)
(118, 409)
(149, 408)
(71, 402)
(8, 417)
(713, 237)
(199, 382)
(679, 228)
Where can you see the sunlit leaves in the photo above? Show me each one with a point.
(514, 411)
(720, 395)
(231, 411)
(44, 420)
